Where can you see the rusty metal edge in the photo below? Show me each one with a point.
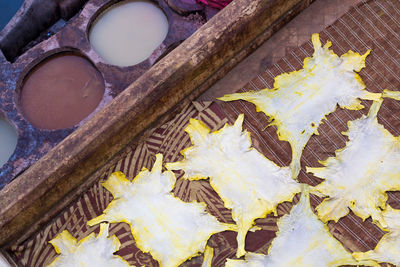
(182, 75)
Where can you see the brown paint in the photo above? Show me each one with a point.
(56, 180)
(61, 91)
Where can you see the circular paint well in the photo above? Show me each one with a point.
(61, 91)
(8, 140)
(128, 32)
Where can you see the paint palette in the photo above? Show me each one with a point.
(63, 61)
(68, 161)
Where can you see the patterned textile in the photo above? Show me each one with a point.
(169, 139)
(220, 4)
(371, 25)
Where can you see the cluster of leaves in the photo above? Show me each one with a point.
(252, 186)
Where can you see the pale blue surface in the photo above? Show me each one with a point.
(7, 10)
(8, 140)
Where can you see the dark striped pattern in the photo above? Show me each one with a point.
(371, 25)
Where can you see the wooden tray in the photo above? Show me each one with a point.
(48, 186)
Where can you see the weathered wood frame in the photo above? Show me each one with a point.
(66, 171)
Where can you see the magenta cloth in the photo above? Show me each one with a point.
(220, 4)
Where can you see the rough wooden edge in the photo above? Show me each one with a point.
(178, 76)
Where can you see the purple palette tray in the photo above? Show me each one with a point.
(42, 28)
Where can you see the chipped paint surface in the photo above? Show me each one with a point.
(248, 183)
(300, 100)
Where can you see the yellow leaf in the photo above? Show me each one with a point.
(248, 183)
(171, 230)
(300, 100)
(90, 251)
(302, 240)
(361, 173)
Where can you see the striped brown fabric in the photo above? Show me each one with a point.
(372, 25)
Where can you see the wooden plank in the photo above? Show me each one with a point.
(40, 192)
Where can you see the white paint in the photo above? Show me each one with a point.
(250, 185)
(128, 32)
(8, 140)
(4, 262)
(360, 173)
(302, 240)
(171, 230)
(300, 100)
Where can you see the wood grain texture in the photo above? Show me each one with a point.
(34, 197)
(369, 25)
(168, 139)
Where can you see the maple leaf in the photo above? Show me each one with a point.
(248, 183)
(361, 173)
(302, 240)
(90, 251)
(300, 100)
(388, 248)
(171, 230)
